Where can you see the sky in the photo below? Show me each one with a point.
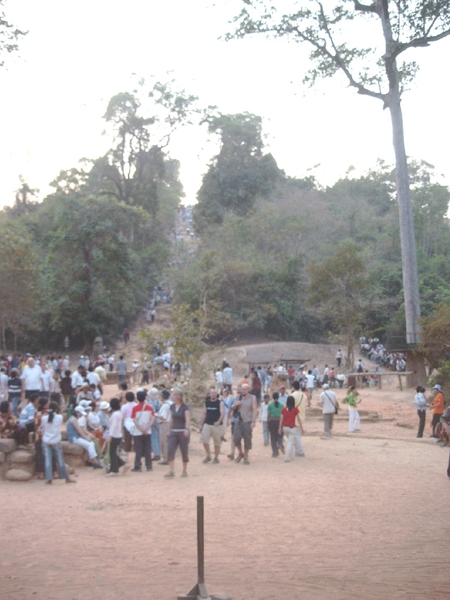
(77, 55)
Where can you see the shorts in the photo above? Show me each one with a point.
(214, 431)
(243, 431)
(176, 440)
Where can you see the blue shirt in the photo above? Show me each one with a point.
(27, 414)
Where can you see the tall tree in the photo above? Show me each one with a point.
(239, 174)
(402, 26)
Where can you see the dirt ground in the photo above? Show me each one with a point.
(361, 516)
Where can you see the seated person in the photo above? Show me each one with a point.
(9, 428)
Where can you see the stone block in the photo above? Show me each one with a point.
(7, 445)
(21, 457)
(18, 475)
(72, 449)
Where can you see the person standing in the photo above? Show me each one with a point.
(211, 426)
(143, 416)
(180, 425)
(329, 403)
(282, 395)
(114, 438)
(301, 400)
(421, 406)
(339, 357)
(14, 391)
(256, 386)
(31, 379)
(245, 409)
(310, 384)
(438, 408)
(155, 403)
(353, 415)
(127, 411)
(227, 377)
(51, 444)
(263, 418)
(164, 425)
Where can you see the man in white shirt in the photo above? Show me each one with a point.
(329, 404)
(77, 377)
(32, 380)
(227, 377)
(164, 424)
(94, 378)
(48, 380)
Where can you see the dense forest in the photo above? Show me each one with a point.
(276, 256)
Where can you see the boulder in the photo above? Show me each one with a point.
(2, 458)
(21, 457)
(74, 456)
(72, 449)
(7, 445)
(18, 475)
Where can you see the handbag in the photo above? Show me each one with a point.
(336, 406)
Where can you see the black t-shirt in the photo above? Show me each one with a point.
(15, 386)
(212, 411)
(179, 416)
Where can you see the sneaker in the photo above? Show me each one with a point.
(216, 461)
(156, 458)
(230, 456)
(169, 475)
(184, 474)
(136, 470)
(163, 462)
(207, 459)
(111, 474)
(246, 461)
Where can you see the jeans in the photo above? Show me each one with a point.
(156, 447)
(421, 414)
(143, 448)
(276, 440)
(265, 426)
(15, 401)
(49, 450)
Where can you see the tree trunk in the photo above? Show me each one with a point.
(407, 235)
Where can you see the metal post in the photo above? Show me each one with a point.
(199, 590)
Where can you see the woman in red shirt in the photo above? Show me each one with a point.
(289, 426)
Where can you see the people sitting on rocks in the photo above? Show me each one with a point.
(9, 427)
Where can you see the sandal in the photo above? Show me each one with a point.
(239, 458)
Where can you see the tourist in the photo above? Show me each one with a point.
(227, 377)
(289, 425)
(273, 421)
(51, 444)
(114, 439)
(211, 425)
(245, 410)
(282, 395)
(9, 427)
(14, 391)
(339, 357)
(329, 403)
(438, 408)
(180, 425)
(26, 418)
(31, 379)
(164, 425)
(233, 418)
(127, 411)
(256, 386)
(121, 369)
(143, 416)
(301, 400)
(66, 388)
(76, 434)
(41, 411)
(155, 403)
(352, 400)
(421, 405)
(310, 384)
(263, 418)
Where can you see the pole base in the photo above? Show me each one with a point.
(198, 592)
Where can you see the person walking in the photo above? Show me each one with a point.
(288, 426)
(245, 410)
(263, 418)
(143, 416)
(180, 426)
(164, 424)
(421, 405)
(211, 425)
(329, 403)
(114, 438)
(121, 369)
(274, 409)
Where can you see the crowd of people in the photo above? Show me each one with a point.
(38, 393)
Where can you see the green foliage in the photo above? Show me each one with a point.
(239, 174)
(435, 342)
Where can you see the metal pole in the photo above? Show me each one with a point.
(200, 540)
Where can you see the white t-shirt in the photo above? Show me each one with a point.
(93, 378)
(32, 377)
(47, 377)
(310, 381)
(52, 431)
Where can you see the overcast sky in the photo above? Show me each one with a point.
(79, 54)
